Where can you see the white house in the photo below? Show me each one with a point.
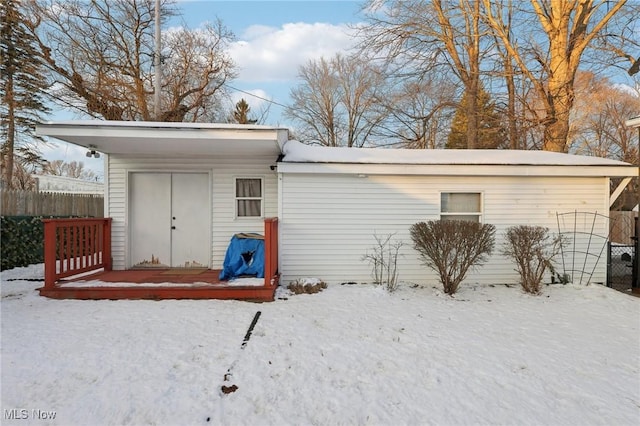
(177, 192)
(333, 201)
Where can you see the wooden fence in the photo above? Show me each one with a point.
(622, 227)
(32, 203)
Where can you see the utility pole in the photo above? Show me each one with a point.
(157, 65)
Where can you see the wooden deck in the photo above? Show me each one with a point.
(78, 265)
(157, 284)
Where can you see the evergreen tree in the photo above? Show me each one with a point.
(22, 85)
(491, 132)
(241, 113)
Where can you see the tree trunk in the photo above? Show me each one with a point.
(473, 82)
(11, 132)
(559, 101)
(472, 114)
(511, 102)
(555, 135)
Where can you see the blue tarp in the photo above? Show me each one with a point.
(245, 256)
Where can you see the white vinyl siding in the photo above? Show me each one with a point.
(222, 172)
(328, 221)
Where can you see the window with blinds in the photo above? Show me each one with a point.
(249, 197)
(461, 206)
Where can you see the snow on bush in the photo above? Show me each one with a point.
(306, 285)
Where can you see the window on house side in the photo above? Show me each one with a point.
(461, 206)
(248, 197)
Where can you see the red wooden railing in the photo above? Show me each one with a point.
(271, 251)
(75, 246)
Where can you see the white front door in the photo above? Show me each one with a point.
(169, 219)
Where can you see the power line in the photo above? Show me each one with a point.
(71, 105)
(259, 97)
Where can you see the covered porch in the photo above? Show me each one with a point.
(78, 266)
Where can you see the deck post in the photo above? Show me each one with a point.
(50, 237)
(106, 250)
(270, 250)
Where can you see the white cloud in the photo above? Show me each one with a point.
(274, 54)
(257, 101)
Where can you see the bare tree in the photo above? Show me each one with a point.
(513, 106)
(570, 27)
(101, 53)
(27, 161)
(336, 104)
(418, 112)
(72, 169)
(315, 104)
(418, 36)
(598, 123)
(598, 127)
(22, 179)
(196, 67)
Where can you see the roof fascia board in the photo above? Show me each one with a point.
(62, 131)
(458, 170)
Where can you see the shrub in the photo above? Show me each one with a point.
(532, 251)
(306, 286)
(451, 247)
(384, 261)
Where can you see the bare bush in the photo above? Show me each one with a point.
(451, 247)
(532, 250)
(306, 286)
(384, 261)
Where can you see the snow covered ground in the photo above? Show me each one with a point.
(351, 354)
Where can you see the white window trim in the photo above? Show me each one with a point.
(236, 198)
(480, 214)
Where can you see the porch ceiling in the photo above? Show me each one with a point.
(168, 139)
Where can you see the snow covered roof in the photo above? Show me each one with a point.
(296, 152)
(300, 158)
(157, 124)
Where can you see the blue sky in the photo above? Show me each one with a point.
(273, 38)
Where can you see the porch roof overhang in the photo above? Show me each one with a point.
(168, 139)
